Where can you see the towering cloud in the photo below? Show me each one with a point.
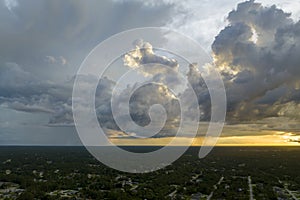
(258, 55)
(162, 72)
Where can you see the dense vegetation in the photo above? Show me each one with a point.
(71, 172)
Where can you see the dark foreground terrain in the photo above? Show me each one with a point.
(227, 173)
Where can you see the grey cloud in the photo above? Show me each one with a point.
(253, 70)
(19, 90)
(103, 104)
(40, 53)
(69, 29)
(62, 116)
(22, 91)
(148, 95)
(200, 89)
(243, 77)
(29, 108)
(264, 18)
(145, 96)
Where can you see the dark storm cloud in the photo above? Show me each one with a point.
(163, 71)
(258, 55)
(200, 89)
(20, 90)
(43, 43)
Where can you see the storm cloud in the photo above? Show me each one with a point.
(43, 44)
(258, 56)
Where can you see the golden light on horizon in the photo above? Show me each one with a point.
(272, 139)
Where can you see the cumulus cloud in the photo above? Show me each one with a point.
(145, 96)
(144, 58)
(22, 91)
(198, 87)
(256, 71)
(56, 60)
(202, 20)
(15, 81)
(162, 72)
(165, 72)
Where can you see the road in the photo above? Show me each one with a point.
(250, 188)
(215, 187)
(286, 189)
(172, 194)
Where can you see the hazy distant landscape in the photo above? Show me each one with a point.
(227, 173)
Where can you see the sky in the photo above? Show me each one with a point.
(254, 46)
